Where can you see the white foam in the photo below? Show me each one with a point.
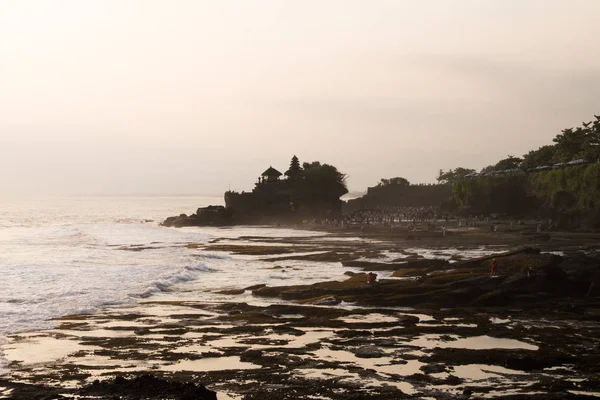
(65, 256)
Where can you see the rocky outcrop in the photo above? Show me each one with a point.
(205, 216)
(420, 267)
(421, 264)
(148, 387)
(551, 280)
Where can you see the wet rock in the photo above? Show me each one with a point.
(231, 292)
(453, 380)
(253, 317)
(149, 387)
(369, 352)
(409, 272)
(538, 362)
(205, 216)
(434, 368)
(510, 257)
(420, 267)
(496, 297)
(142, 331)
(426, 264)
(327, 256)
(590, 384)
(370, 265)
(553, 385)
(408, 320)
(251, 356)
(255, 287)
(520, 360)
(327, 301)
(251, 250)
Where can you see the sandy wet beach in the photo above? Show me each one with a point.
(345, 339)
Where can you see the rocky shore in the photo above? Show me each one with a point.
(434, 325)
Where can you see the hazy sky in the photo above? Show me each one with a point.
(135, 97)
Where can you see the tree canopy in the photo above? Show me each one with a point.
(320, 184)
(394, 181)
(538, 158)
(453, 175)
(582, 141)
(295, 170)
(510, 162)
(567, 193)
(569, 145)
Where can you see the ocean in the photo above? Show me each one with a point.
(61, 256)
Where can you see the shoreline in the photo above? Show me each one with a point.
(375, 351)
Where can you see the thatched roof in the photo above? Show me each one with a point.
(271, 172)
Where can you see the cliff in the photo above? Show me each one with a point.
(401, 195)
(312, 191)
(570, 196)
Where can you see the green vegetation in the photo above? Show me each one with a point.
(583, 141)
(570, 194)
(397, 181)
(535, 158)
(454, 175)
(506, 195)
(575, 189)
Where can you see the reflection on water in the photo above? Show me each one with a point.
(210, 364)
(473, 343)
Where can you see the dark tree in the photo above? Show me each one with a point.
(397, 181)
(583, 141)
(591, 147)
(295, 171)
(538, 158)
(570, 144)
(489, 168)
(452, 176)
(509, 162)
(321, 183)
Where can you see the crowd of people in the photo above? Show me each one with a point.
(422, 218)
(393, 215)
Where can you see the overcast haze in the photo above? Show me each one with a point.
(162, 97)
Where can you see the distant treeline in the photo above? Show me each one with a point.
(572, 147)
(562, 181)
(559, 181)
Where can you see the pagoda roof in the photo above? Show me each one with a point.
(271, 172)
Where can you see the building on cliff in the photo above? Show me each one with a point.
(311, 191)
(270, 175)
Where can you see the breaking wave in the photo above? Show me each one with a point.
(185, 274)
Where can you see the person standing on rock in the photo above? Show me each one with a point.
(494, 268)
(371, 277)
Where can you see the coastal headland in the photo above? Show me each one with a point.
(485, 285)
(435, 324)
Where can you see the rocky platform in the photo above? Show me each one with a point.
(438, 327)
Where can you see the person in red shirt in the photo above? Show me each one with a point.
(494, 268)
(371, 277)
